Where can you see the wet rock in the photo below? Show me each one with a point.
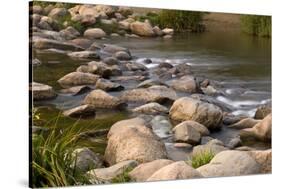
(77, 90)
(122, 55)
(107, 85)
(261, 131)
(84, 55)
(41, 43)
(70, 32)
(130, 78)
(168, 31)
(235, 142)
(78, 78)
(167, 37)
(135, 67)
(94, 33)
(229, 119)
(165, 65)
(42, 92)
(142, 29)
(161, 126)
(210, 90)
(82, 42)
(36, 62)
(56, 13)
(230, 163)
(157, 31)
(244, 123)
(112, 49)
(264, 158)
(195, 125)
(125, 11)
(173, 171)
(145, 170)
(109, 173)
(183, 69)
(186, 133)
(156, 93)
(207, 114)
(185, 84)
(262, 112)
(81, 111)
(151, 108)
(214, 146)
(100, 99)
(206, 139)
(149, 83)
(84, 159)
(111, 61)
(133, 140)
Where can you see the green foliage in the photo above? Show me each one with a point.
(52, 159)
(122, 178)
(202, 158)
(256, 25)
(44, 4)
(181, 20)
(107, 28)
(67, 19)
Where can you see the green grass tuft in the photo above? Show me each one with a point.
(124, 177)
(201, 158)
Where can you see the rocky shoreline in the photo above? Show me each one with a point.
(171, 108)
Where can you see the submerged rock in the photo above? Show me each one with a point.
(81, 111)
(151, 108)
(143, 171)
(84, 55)
(107, 85)
(173, 171)
(78, 78)
(42, 92)
(207, 114)
(100, 99)
(41, 43)
(230, 163)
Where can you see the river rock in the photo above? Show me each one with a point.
(84, 159)
(130, 78)
(174, 171)
(210, 90)
(41, 43)
(262, 112)
(82, 42)
(108, 10)
(185, 84)
(244, 123)
(109, 173)
(206, 139)
(100, 99)
(234, 143)
(261, 130)
(94, 33)
(36, 18)
(133, 140)
(186, 133)
(81, 111)
(36, 9)
(156, 93)
(124, 25)
(143, 171)
(42, 92)
(230, 163)
(264, 158)
(167, 37)
(214, 146)
(168, 31)
(122, 55)
(70, 33)
(125, 11)
(107, 85)
(135, 66)
(151, 108)
(84, 55)
(78, 78)
(57, 13)
(77, 90)
(111, 61)
(187, 108)
(112, 49)
(183, 69)
(142, 29)
(149, 83)
(157, 31)
(197, 126)
(165, 65)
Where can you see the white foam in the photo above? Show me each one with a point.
(237, 104)
(249, 113)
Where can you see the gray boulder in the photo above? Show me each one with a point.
(78, 78)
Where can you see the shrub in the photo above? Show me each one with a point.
(256, 25)
(201, 158)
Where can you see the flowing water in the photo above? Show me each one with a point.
(238, 64)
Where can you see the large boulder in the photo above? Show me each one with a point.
(41, 43)
(143, 171)
(264, 158)
(214, 146)
(151, 108)
(42, 92)
(84, 159)
(142, 29)
(230, 163)
(58, 13)
(133, 140)
(81, 111)
(182, 128)
(207, 114)
(78, 78)
(94, 33)
(186, 133)
(154, 93)
(109, 173)
(262, 112)
(185, 84)
(125, 11)
(100, 99)
(244, 123)
(173, 171)
(107, 85)
(77, 90)
(261, 130)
